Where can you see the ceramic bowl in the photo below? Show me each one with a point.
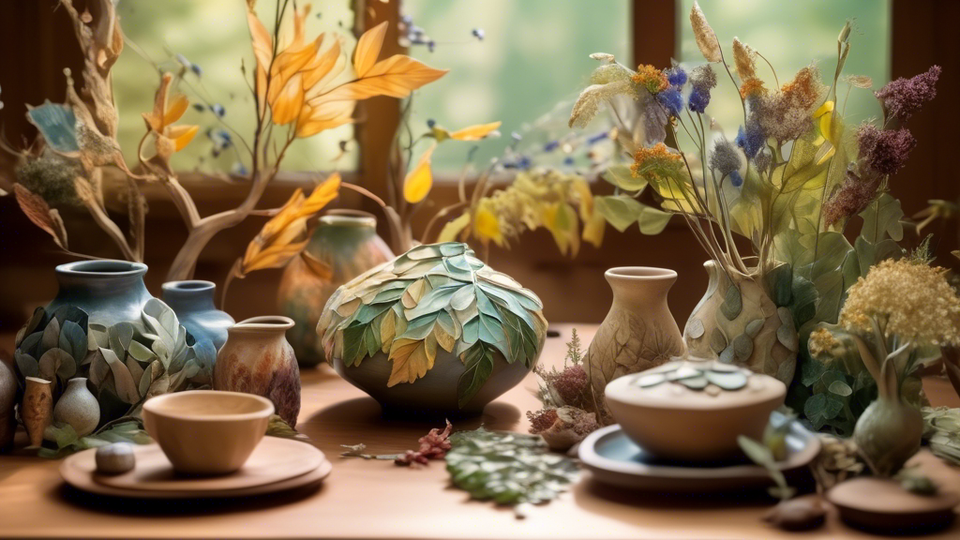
(207, 431)
(696, 421)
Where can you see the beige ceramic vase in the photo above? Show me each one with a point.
(740, 323)
(257, 359)
(78, 407)
(37, 408)
(639, 331)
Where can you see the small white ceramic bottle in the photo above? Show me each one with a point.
(78, 407)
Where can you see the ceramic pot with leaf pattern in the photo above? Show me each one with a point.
(638, 333)
(342, 247)
(745, 322)
(434, 332)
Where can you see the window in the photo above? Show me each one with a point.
(789, 34)
(533, 56)
(213, 35)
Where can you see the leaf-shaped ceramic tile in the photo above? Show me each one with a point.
(58, 124)
(73, 340)
(50, 338)
(26, 364)
(431, 302)
(72, 314)
(478, 365)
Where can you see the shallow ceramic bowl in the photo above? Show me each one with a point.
(207, 431)
(674, 422)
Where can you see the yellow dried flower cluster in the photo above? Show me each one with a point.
(823, 344)
(651, 78)
(910, 300)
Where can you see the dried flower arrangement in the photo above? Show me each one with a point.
(789, 183)
(301, 87)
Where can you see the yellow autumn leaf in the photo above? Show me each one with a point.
(168, 138)
(594, 228)
(388, 329)
(313, 120)
(321, 196)
(182, 135)
(396, 76)
(176, 109)
(584, 197)
(368, 49)
(451, 231)
(418, 182)
(475, 133)
(445, 340)
(411, 359)
(561, 220)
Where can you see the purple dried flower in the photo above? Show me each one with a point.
(903, 97)
(854, 195)
(703, 78)
(671, 100)
(676, 76)
(725, 158)
(750, 139)
(763, 159)
(884, 151)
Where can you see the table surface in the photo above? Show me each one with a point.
(376, 499)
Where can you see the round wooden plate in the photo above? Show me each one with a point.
(290, 469)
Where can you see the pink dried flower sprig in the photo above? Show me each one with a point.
(433, 445)
(903, 97)
(884, 152)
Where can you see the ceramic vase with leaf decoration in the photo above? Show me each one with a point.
(37, 408)
(744, 321)
(638, 333)
(342, 247)
(8, 401)
(435, 332)
(257, 359)
(192, 301)
(78, 408)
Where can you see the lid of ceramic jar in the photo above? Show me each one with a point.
(695, 384)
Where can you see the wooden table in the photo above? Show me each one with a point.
(376, 499)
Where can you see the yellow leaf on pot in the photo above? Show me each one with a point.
(418, 182)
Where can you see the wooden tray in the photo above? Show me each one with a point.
(280, 464)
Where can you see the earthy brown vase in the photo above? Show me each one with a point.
(341, 248)
(37, 408)
(257, 359)
(740, 323)
(639, 331)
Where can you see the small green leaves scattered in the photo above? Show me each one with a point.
(508, 468)
(434, 296)
(126, 429)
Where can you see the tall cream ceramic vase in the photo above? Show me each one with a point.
(257, 359)
(639, 331)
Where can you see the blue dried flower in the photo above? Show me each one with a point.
(735, 179)
(478, 33)
(676, 76)
(196, 69)
(672, 100)
(218, 110)
(199, 107)
(598, 137)
(431, 122)
(568, 161)
(551, 146)
(698, 100)
(750, 139)
(725, 158)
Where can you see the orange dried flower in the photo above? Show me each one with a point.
(651, 78)
(752, 87)
(805, 89)
(656, 159)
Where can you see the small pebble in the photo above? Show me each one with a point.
(800, 514)
(116, 458)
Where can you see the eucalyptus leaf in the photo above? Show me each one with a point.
(881, 219)
(26, 364)
(73, 339)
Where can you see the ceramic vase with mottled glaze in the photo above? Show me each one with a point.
(638, 333)
(341, 248)
(8, 400)
(192, 301)
(740, 323)
(78, 407)
(108, 291)
(37, 408)
(257, 359)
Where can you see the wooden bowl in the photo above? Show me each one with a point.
(207, 431)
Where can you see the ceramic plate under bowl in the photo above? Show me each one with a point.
(159, 481)
(615, 459)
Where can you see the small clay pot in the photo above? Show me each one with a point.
(37, 408)
(678, 411)
(257, 359)
(78, 407)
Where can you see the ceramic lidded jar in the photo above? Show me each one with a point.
(638, 333)
(257, 359)
(435, 332)
(694, 409)
(192, 301)
(108, 291)
(341, 248)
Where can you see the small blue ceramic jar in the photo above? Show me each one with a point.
(192, 301)
(108, 291)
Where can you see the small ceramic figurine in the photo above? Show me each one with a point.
(37, 408)
(694, 409)
(116, 458)
(8, 398)
(257, 359)
(78, 407)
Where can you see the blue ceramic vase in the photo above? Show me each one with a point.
(192, 301)
(108, 291)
